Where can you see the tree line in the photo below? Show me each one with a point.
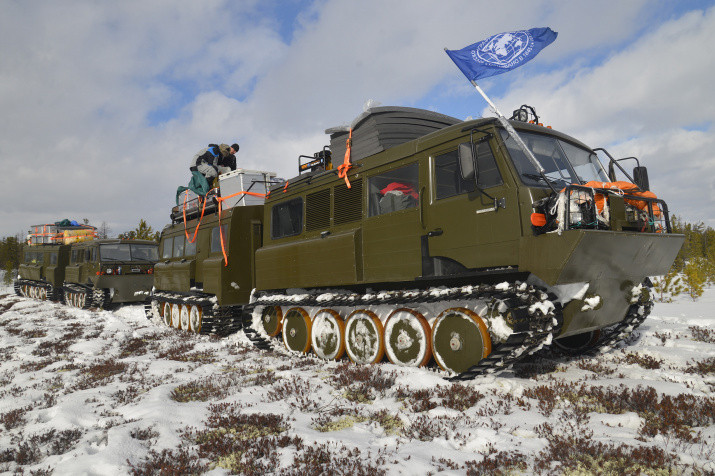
(693, 269)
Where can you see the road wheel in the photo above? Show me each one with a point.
(196, 317)
(408, 338)
(460, 339)
(184, 317)
(364, 337)
(176, 316)
(272, 320)
(296, 330)
(166, 315)
(328, 335)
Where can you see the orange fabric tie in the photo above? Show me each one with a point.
(345, 167)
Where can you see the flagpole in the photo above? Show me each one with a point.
(510, 129)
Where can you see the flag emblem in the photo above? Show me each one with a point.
(504, 49)
(501, 53)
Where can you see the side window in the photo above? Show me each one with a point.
(394, 190)
(287, 218)
(448, 180)
(87, 254)
(167, 246)
(53, 258)
(28, 257)
(489, 175)
(73, 257)
(178, 246)
(94, 254)
(190, 248)
(216, 239)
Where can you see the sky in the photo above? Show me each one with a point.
(103, 104)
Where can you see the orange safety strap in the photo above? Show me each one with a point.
(345, 167)
(183, 211)
(220, 230)
(285, 189)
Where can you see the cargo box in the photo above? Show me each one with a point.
(242, 180)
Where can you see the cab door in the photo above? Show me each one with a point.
(473, 223)
(392, 228)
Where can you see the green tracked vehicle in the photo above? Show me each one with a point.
(443, 242)
(109, 271)
(69, 265)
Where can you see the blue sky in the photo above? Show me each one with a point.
(105, 103)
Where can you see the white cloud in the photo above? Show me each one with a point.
(79, 80)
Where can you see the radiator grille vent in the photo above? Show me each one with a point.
(317, 210)
(348, 203)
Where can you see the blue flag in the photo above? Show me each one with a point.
(501, 53)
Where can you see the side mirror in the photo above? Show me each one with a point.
(466, 161)
(640, 177)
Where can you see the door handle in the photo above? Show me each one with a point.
(435, 232)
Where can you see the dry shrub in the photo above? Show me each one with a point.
(34, 333)
(100, 373)
(645, 361)
(497, 463)
(181, 352)
(181, 462)
(702, 367)
(703, 334)
(242, 443)
(595, 367)
(14, 418)
(458, 397)
(427, 428)
(335, 458)
(30, 450)
(666, 415)
(200, 390)
(582, 455)
(297, 392)
(362, 383)
(422, 400)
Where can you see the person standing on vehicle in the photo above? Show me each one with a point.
(206, 162)
(227, 161)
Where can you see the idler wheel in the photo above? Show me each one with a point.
(328, 335)
(176, 316)
(184, 317)
(408, 338)
(460, 339)
(167, 314)
(42, 294)
(576, 344)
(364, 337)
(296, 330)
(272, 320)
(196, 319)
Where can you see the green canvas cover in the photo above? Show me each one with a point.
(198, 184)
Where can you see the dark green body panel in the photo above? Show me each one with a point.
(42, 270)
(131, 285)
(610, 262)
(204, 271)
(455, 237)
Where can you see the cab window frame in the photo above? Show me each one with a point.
(393, 190)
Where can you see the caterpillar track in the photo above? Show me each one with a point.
(533, 314)
(200, 313)
(37, 290)
(603, 340)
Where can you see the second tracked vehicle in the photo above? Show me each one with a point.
(68, 264)
(438, 240)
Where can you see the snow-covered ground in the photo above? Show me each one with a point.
(105, 393)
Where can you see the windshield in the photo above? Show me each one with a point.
(128, 252)
(563, 163)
